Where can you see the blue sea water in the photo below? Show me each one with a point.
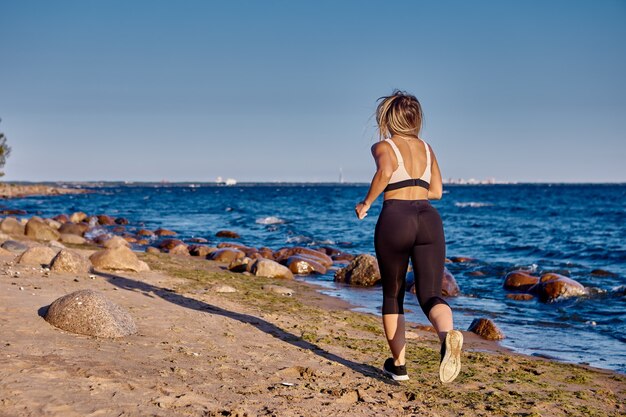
(570, 229)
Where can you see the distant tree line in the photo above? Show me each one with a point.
(5, 151)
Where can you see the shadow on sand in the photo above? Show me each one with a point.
(264, 326)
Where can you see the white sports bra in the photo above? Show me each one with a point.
(401, 178)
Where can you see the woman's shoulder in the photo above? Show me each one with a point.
(381, 146)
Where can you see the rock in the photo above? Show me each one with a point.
(37, 255)
(143, 242)
(55, 244)
(121, 221)
(486, 329)
(201, 250)
(120, 258)
(222, 288)
(603, 273)
(449, 287)
(70, 261)
(228, 233)
(73, 228)
(61, 218)
(198, 240)
(235, 245)
(78, 217)
(461, 259)
(169, 243)
(362, 271)
(72, 239)
(278, 289)
(240, 264)
(226, 255)
(180, 250)
(266, 253)
(164, 232)
(552, 287)
(4, 237)
(283, 254)
(520, 297)
(343, 257)
(8, 212)
(519, 281)
(152, 250)
(11, 226)
(14, 246)
(105, 220)
(271, 269)
(39, 230)
(115, 242)
(303, 265)
(53, 223)
(476, 274)
(91, 313)
(145, 232)
(129, 238)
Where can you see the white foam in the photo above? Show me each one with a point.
(270, 220)
(473, 204)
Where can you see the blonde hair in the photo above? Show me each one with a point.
(398, 114)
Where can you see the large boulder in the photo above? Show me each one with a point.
(37, 255)
(272, 269)
(552, 287)
(38, 229)
(53, 223)
(486, 329)
(164, 232)
(11, 226)
(118, 259)
(91, 313)
(303, 265)
(226, 255)
(74, 228)
(362, 271)
(519, 281)
(70, 261)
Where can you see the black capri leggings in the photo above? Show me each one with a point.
(410, 229)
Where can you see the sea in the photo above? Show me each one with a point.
(571, 229)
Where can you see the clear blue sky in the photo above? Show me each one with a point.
(285, 90)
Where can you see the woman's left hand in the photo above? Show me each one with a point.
(361, 210)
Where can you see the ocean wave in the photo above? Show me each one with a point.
(472, 204)
(270, 220)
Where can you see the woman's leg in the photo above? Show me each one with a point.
(394, 330)
(441, 318)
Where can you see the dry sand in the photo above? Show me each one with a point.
(255, 353)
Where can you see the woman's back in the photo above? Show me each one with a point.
(416, 159)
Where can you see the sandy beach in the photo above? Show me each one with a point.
(199, 352)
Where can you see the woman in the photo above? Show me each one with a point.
(409, 228)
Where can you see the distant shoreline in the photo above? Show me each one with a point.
(20, 190)
(64, 187)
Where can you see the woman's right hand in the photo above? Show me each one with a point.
(361, 210)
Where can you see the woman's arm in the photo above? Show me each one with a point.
(435, 191)
(384, 170)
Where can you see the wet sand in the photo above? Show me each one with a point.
(255, 353)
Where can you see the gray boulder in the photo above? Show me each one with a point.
(91, 313)
(272, 269)
(14, 246)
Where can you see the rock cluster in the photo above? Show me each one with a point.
(547, 288)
